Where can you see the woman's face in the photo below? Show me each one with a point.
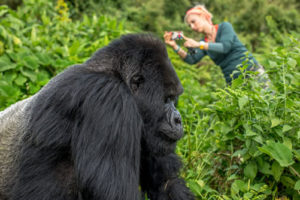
(198, 23)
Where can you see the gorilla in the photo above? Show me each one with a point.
(102, 130)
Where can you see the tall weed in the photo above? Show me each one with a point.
(243, 142)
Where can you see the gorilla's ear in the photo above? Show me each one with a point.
(135, 82)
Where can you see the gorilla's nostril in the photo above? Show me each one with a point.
(177, 120)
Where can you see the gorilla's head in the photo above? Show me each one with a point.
(144, 66)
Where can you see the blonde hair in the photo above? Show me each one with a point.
(199, 10)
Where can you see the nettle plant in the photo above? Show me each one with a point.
(259, 130)
(39, 40)
(246, 143)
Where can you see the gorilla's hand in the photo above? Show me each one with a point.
(175, 189)
(161, 179)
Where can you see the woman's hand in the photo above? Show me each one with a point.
(190, 43)
(169, 41)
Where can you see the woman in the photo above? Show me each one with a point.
(221, 44)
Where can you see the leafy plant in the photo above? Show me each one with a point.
(241, 141)
(244, 142)
(39, 40)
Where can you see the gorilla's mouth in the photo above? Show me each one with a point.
(170, 133)
(168, 137)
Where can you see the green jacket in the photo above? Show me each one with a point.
(227, 52)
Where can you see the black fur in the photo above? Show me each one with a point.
(101, 129)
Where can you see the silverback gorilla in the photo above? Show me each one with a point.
(102, 130)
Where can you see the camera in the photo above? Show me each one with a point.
(177, 35)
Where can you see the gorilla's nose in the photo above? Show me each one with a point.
(176, 118)
(172, 127)
(176, 125)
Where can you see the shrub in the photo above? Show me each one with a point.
(244, 141)
(39, 40)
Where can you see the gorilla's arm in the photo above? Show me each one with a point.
(161, 179)
(84, 136)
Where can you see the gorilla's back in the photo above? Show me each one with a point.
(11, 131)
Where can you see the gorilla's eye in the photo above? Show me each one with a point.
(136, 82)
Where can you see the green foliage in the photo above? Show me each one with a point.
(11, 3)
(39, 40)
(243, 141)
(259, 23)
(251, 19)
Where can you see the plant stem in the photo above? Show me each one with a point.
(293, 170)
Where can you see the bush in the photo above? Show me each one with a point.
(243, 141)
(39, 40)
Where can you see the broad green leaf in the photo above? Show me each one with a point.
(209, 189)
(201, 183)
(279, 132)
(259, 139)
(9, 77)
(17, 40)
(275, 122)
(43, 58)
(3, 10)
(286, 128)
(195, 187)
(225, 128)
(45, 19)
(238, 185)
(258, 127)
(8, 90)
(33, 88)
(276, 170)
(237, 82)
(3, 32)
(297, 185)
(30, 74)
(76, 48)
(43, 77)
(272, 63)
(20, 80)
(248, 195)
(240, 153)
(243, 101)
(13, 55)
(250, 170)
(288, 142)
(7, 67)
(232, 177)
(31, 62)
(6, 64)
(291, 62)
(250, 133)
(278, 151)
(263, 166)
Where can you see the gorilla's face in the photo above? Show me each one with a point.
(156, 87)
